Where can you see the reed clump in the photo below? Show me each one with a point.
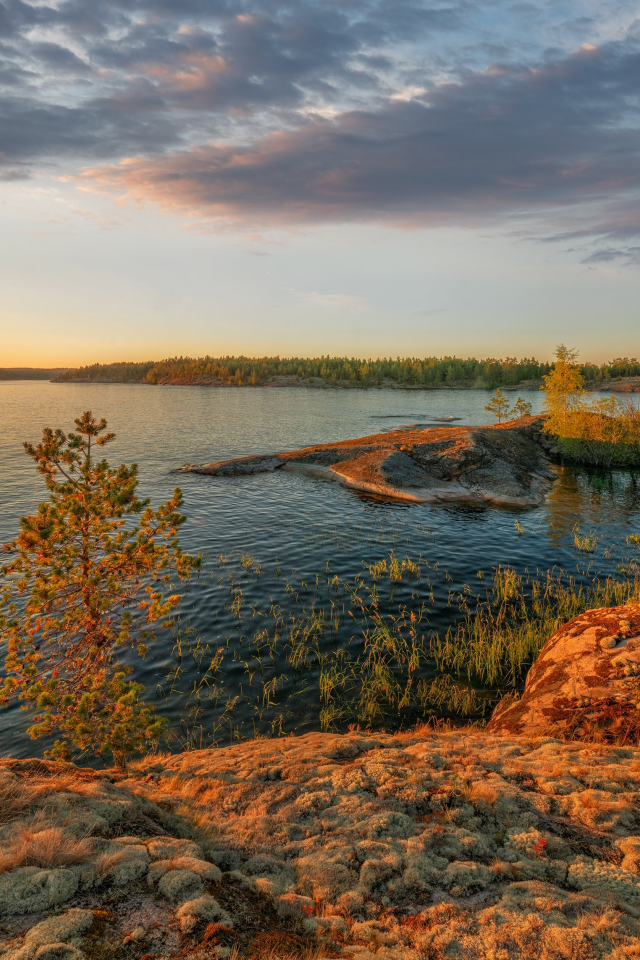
(499, 639)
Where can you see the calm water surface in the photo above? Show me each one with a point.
(297, 527)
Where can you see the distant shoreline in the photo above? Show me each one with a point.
(392, 385)
(622, 385)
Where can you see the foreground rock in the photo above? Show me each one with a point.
(420, 845)
(502, 465)
(585, 682)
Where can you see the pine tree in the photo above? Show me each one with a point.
(498, 405)
(521, 408)
(85, 581)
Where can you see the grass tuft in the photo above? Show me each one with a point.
(47, 848)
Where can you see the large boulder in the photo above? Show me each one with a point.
(585, 684)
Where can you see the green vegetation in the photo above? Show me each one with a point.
(30, 373)
(242, 371)
(499, 407)
(521, 408)
(84, 581)
(501, 635)
(596, 431)
(427, 372)
(365, 659)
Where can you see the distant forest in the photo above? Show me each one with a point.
(341, 371)
(30, 373)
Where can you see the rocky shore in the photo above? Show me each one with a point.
(585, 679)
(473, 844)
(457, 844)
(504, 465)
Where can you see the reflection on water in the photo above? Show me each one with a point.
(471, 512)
(294, 528)
(591, 499)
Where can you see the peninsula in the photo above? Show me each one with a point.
(505, 464)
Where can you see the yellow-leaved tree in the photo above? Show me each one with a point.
(593, 430)
(564, 389)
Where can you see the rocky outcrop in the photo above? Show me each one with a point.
(585, 682)
(504, 465)
(458, 844)
(422, 844)
(621, 385)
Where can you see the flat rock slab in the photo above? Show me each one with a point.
(585, 683)
(503, 465)
(445, 845)
(460, 845)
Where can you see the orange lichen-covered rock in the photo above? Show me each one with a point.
(585, 683)
(503, 464)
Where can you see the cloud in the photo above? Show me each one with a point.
(96, 79)
(552, 137)
(287, 112)
(623, 256)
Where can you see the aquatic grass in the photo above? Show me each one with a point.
(444, 695)
(294, 646)
(501, 637)
(329, 651)
(586, 544)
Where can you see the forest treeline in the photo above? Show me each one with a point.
(30, 373)
(343, 371)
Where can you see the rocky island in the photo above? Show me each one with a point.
(504, 465)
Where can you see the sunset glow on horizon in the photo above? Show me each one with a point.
(300, 177)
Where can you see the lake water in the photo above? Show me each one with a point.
(301, 530)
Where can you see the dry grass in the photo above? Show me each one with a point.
(107, 862)
(196, 797)
(601, 805)
(19, 798)
(277, 951)
(47, 848)
(174, 863)
(558, 771)
(598, 920)
(281, 953)
(483, 792)
(66, 783)
(15, 801)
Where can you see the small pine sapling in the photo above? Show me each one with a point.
(83, 582)
(521, 408)
(498, 405)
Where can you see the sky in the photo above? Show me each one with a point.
(307, 177)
